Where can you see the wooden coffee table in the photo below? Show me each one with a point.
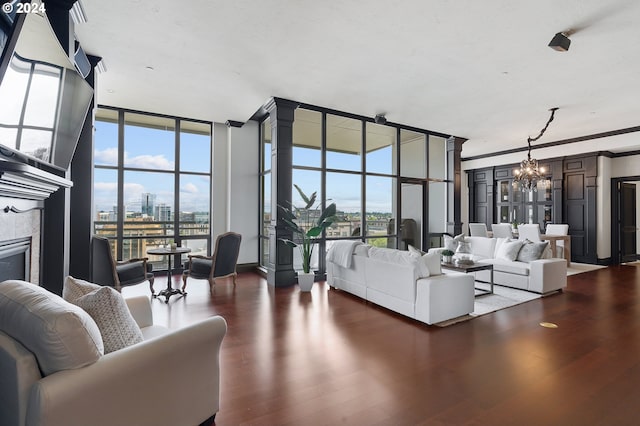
(473, 267)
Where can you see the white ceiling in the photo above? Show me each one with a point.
(475, 69)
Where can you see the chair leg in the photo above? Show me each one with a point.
(153, 292)
(184, 282)
(212, 282)
(235, 274)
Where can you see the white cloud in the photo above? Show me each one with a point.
(106, 186)
(148, 162)
(189, 188)
(133, 190)
(107, 156)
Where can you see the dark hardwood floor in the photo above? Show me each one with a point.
(330, 358)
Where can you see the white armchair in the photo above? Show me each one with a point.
(171, 378)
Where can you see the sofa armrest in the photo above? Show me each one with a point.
(173, 379)
(547, 275)
(140, 308)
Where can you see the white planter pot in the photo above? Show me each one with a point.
(305, 281)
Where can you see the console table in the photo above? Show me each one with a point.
(169, 252)
(473, 267)
(552, 244)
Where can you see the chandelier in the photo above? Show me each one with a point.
(529, 174)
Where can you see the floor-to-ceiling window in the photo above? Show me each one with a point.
(371, 171)
(152, 183)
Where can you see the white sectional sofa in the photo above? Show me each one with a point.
(544, 275)
(399, 281)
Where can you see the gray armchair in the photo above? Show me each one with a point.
(221, 264)
(105, 270)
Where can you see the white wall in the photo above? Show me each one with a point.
(244, 196)
(603, 210)
(235, 195)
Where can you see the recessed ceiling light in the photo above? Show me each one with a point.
(548, 325)
(110, 91)
(149, 68)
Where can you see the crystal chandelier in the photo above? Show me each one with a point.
(529, 174)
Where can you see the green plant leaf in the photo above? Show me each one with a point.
(328, 212)
(289, 242)
(315, 231)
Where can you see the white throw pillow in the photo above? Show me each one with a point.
(451, 243)
(509, 250)
(432, 261)
(109, 310)
(75, 288)
(61, 335)
(414, 250)
(419, 262)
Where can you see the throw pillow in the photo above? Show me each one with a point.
(414, 250)
(109, 310)
(61, 335)
(509, 250)
(432, 260)
(419, 263)
(531, 251)
(451, 243)
(75, 288)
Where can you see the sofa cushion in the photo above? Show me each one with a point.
(361, 250)
(517, 268)
(508, 250)
(400, 257)
(61, 336)
(531, 251)
(110, 312)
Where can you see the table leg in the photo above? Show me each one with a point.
(169, 291)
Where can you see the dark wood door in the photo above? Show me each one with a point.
(628, 252)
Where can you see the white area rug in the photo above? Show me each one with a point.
(502, 297)
(578, 268)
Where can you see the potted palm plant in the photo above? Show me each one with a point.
(306, 223)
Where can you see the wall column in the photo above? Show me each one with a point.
(280, 271)
(454, 185)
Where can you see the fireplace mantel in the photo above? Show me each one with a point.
(21, 185)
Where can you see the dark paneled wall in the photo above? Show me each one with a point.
(573, 181)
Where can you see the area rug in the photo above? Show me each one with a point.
(578, 268)
(505, 297)
(502, 297)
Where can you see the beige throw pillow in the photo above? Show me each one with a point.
(109, 310)
(75, 288)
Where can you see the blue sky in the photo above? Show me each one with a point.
(154, 150)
